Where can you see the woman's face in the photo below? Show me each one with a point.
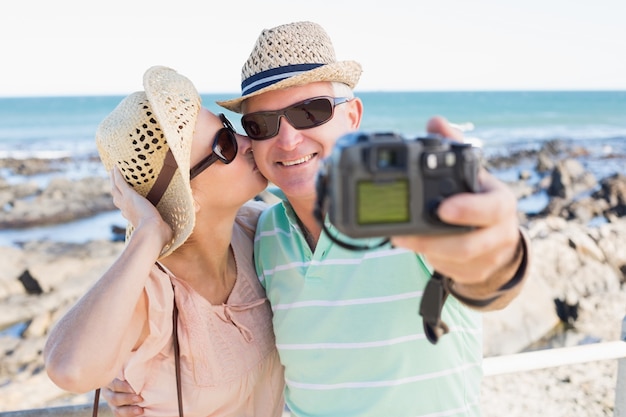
(229, 184)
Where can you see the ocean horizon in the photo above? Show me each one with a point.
(51, 123)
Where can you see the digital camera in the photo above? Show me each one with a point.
(381, 184)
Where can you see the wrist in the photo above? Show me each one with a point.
(504, 281)
(152, 236)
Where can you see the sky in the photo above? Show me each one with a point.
(102, 47)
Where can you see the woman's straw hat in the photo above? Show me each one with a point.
(291, 55)
(148, 137)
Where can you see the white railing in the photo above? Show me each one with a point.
(496, 365)
(550, 358)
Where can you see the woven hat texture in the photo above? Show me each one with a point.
(137, 135)
(291, 55)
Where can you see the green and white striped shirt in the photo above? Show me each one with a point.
(349, 333)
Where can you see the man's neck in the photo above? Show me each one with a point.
(307, 221)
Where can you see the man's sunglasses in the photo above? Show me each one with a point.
(224, 148)
(306, 114)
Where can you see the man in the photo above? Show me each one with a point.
(346, 322)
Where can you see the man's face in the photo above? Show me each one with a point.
(291, 159)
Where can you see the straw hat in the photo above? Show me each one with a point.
(291, 55)
(148, 136)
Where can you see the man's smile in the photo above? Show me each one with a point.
(298, 161)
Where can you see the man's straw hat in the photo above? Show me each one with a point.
(148, 137)
(291, 55)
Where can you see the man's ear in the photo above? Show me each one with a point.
(355, 113)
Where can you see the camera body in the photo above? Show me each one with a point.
(381, 184)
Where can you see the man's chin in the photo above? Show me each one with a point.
(297, 190)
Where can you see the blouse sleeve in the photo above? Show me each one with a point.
(248, 216)
(160, 295)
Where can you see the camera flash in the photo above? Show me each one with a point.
(431, 161)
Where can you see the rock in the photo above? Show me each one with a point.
(521, 189)
(610, 238)
(545, 162)
(39, 325)
(30, 284)
(570, 178)
(62, 201)
(10, 193)
(570, 263)
(64, 272)
(523, 322)
(13, 264)
(33, 166)
(613, 190)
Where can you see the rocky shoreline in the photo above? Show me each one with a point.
(577, 279)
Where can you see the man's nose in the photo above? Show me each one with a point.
(288, 137)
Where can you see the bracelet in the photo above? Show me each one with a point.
(517, 278)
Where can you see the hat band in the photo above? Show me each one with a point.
(272, 76)
(164, 178)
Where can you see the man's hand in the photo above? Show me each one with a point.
(122, 399)
(491, 250)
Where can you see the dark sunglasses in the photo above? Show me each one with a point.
(224, 148)
(306, 114)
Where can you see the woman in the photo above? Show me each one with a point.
(189, 248)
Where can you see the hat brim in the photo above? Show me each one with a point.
(347, 72)
(172, 100)
(176, 104)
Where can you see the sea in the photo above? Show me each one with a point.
(500, 122)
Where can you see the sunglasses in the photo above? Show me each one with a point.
(224, 148)
(306, 114)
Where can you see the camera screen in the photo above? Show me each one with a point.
(382, 202)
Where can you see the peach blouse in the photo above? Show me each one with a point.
(229, 362)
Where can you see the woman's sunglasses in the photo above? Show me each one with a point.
(224, 148)
(306, 114)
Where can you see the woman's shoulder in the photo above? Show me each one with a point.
(248, 215)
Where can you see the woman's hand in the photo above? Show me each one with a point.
(137, 209)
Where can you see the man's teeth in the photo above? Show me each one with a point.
(297, 161)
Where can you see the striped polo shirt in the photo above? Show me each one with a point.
(349, 334)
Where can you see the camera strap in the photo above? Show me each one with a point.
(319, 214)
(433, 299)
(348, 245)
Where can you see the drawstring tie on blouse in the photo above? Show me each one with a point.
(226, 315)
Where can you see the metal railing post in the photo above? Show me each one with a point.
(620, 385)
